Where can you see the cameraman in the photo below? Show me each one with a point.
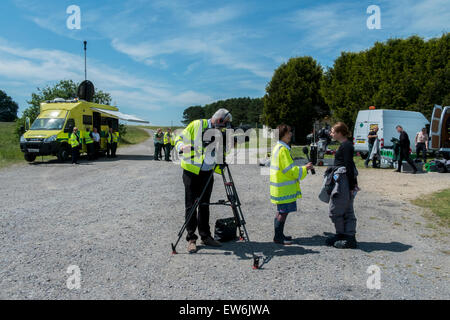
(198, 167)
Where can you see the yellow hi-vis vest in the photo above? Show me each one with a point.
(87, 138)
(73, 140)
(172, 139)
(193, 161)
(166, 138)
(112, 137)
(284, 176)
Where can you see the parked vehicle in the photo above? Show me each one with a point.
(49, 134)
(386, 120)
(440, 131)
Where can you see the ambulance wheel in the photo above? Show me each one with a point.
(29, 157)
(63, 153)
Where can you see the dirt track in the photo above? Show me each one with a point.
(115, 219)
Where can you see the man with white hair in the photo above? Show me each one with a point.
(198, 166)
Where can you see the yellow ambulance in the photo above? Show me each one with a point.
(49, 133)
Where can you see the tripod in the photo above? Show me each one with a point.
(233, 201)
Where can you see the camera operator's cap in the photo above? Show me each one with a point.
(223, 115)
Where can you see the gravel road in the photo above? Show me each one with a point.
(115, 220)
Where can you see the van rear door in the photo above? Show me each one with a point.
(435, 128)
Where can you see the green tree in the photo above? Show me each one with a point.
(244, 110)
(65, 89)
(8, 108)
(193, 113)
(402, 74)
(293, 96)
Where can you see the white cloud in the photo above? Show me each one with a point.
(39, 66)
(211, 48)
(212, 17)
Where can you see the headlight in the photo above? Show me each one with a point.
(22, 139)
(50, 139)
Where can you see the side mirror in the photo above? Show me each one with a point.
(27, 123)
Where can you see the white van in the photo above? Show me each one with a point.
(387, 121)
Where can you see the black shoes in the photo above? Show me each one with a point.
(330, 241)
(349, 242)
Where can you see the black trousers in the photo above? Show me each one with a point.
(111, 149)
(75, 154)
(404, 155)
(157, 154)
(167, 148)
(96, 149)
(421, 147)
(193, 187)
(90, 150)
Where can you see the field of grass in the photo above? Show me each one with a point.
(134, 135)
(438, 203)
(9, 145)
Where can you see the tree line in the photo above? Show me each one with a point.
(401, 74)
(245, 111)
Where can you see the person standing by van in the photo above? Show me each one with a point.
(89, 142)
(96, 137)
(109, 142)
(115, 142)
(341, 209)
(421, 143)
(75, 143)
(373, 135)
(404, 150)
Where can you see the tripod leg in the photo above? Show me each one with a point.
(191, 212)
(237, 212)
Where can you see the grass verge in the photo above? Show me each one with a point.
(9, 145)
(439, 204)
(134, 135)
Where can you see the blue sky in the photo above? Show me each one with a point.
(158, 57)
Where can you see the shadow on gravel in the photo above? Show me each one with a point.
(268, 250)
(84, 161)
(319, 240)
(133, 157)
(383, 246)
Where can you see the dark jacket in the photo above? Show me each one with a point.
(404, 141)
(344, 158)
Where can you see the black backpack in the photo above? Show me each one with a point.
(225, 230)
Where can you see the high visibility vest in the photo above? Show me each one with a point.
(87, 138)
(192, 135)
(112, 137)
(172, 139)
(284, 176)
(166, 138)
(74, 140)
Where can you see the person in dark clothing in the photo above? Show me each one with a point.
(341, 209)
(371, 140)
(404, 150)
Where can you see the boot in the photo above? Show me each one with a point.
(330, 241)
(349, 242)
(280, 238)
